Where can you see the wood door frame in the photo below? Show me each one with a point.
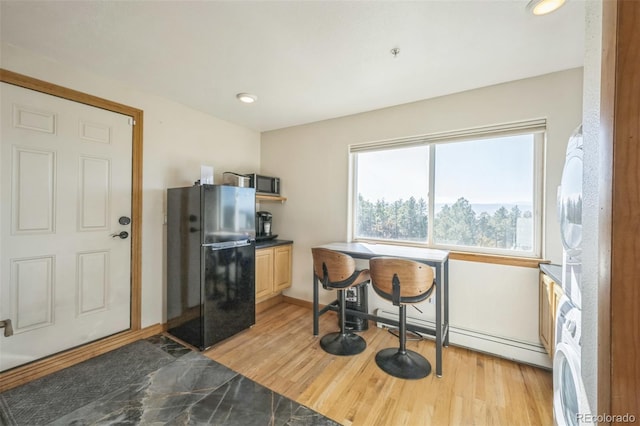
(47, 365)
(618, 292)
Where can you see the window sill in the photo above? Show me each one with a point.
(496, 259)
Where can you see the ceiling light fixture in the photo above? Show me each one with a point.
(395, 52)
(246, 98)
(542, 7)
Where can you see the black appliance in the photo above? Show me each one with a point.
(263, 226)
(210, 262)
(357, 298)
(266, 185)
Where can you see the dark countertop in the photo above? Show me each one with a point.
(553, 271)
(271, 243)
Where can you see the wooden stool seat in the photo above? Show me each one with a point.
(337, 271)
(402, 282)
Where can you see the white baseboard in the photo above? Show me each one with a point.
(517, 350)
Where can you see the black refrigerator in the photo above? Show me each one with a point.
(210, 262)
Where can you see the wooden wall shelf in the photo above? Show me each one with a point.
(270, 198)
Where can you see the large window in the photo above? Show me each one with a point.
(478, 191)
(392, 194)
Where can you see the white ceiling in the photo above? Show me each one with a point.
(305, 60)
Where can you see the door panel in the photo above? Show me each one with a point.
(32, 281)
(93, 281)
(94, 193)
(32, 119)
(65, 179)
(32, 192)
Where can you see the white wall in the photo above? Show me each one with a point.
(177, 140)
(312, 161)
(596, 212)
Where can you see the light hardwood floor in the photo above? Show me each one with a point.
(281, 353)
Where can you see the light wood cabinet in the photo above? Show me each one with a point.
(546, 312)
(557, 295)
(264, 273)
(281, 267)
(273, 271)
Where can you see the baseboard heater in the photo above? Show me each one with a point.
(514, 349)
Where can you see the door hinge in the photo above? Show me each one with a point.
(132, 122)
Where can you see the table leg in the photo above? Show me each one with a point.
(439, 292)
(315, 305)
(446, 301)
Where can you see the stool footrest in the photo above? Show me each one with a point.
(411, 335)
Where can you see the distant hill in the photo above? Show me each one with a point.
(491, 208)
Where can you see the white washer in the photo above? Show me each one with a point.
(570, 404)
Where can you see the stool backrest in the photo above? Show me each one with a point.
(339, 266)
(415, 278)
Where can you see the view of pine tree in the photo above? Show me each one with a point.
(398, 220)
(456, 224)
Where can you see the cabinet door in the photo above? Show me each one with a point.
(546, 313)
(264, 272)
(282, 268)
(557, 295)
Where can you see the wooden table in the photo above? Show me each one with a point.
(439, 259)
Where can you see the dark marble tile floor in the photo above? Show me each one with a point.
(152, 382)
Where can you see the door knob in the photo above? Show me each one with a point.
(8, 329)
(124, 220)
(123, 235)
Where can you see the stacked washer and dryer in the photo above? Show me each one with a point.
(570, 404)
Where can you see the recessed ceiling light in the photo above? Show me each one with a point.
(246, 98)
(542, 7)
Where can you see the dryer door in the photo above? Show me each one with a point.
(570, 197)
(570, 404)
(570, 217)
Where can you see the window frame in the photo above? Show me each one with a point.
(535, 127)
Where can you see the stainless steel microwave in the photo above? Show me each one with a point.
(265, 185)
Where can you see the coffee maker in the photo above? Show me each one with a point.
(263, 225)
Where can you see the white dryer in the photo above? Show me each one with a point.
(570, 217)
(570, 404)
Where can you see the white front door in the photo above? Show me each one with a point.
(65, 190)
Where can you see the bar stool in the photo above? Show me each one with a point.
(337, 271)
(402, 282)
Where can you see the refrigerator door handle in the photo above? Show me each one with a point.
(228, 244)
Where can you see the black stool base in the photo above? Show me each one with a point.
(343, 344)
(408, 365)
